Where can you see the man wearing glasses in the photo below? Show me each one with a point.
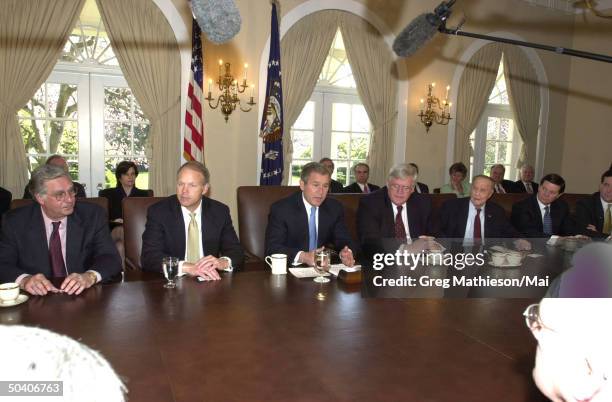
(396, 212)
(56, 238)
(574, 354)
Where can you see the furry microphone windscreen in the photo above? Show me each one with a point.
(219, 19)
(416, 34)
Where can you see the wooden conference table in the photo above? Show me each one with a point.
(257, 337)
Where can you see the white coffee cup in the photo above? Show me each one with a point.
(498, 258)
(9, 291)
(514, 258)
(278, 263)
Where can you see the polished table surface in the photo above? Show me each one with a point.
(257, 337)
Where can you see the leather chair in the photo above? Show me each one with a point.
(506, 201)
(437, 200)
(572, 199)
(100, 201)
(134, 220)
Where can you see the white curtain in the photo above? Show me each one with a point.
(32, 35)
(149, 57)
(375, 74)
(524, 95)
(475, 87)
(303, 51)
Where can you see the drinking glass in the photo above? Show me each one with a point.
(170, 268)
(321, 265)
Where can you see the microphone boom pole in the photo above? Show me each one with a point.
(558, 50)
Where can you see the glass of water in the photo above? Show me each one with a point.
(170, 269)
(321, 266)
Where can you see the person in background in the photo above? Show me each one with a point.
(543, 214)
(56, 237)
(126, 173)
(457, 184)
(501, 185)
(594, 214)
(361, 185)
(59, 161)
(526, 184)
(334, 186)
(574, 354)
(421, 188)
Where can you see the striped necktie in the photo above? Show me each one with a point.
(547, 221)
(193, 239)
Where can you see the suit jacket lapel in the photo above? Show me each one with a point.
(324, 223)
(599, 212)
(38, 241)
(388, 216)
(74, 237)
(463, 217)
(538, 217)
(179, 229)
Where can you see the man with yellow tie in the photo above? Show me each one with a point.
(195, 229)
(594, 214)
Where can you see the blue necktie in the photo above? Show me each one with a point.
(312, 229)
(547, 221)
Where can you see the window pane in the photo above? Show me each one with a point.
(503, 156)
(69, 142)
(493, 128)
(34, 136)
(302, 144)
(306, 119)
(341, 117)
(504, 130)
(35, 106)
(341, 172)
(141, 135)
(361, 122)
(62, 101)
(117, 103)
(359, 146)
(117, 137)
(490, 153)
(142, 180)
(340, 146)
(73, 167)
(296, 170)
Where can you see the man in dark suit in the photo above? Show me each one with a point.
(361, 185)
(300, 224)
(594, 215)
(526, 184)
(56, 237)
(195, 229)
(395, 214)
(475, 217)
(59, 161)
(421, 188)
(5, 202)
(543, 214)
(334, 186)
(501, 185)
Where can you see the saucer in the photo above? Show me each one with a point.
(20, 299)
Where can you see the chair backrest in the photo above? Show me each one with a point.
(572, 199)
(436, 203)
(253, 207)
(100, 201)
(507, 200)
(134, 220)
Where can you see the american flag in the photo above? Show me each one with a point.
(193, 143)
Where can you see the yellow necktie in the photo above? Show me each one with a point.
(193, 239)
(607, 227)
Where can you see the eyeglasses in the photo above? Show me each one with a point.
(62, 195)
(534, 323)
(398, 188)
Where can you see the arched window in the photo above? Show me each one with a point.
(334, 122)
(495, 139)
(85, 111)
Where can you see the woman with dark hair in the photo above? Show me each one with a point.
(126, 173)
(458, 184)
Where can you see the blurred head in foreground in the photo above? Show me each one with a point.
(39, 355)
(574, 355)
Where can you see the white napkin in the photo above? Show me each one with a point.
(308, 272)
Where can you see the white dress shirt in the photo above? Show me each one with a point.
(469, 227)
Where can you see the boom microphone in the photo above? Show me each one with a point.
(421, 30)
(219, 19)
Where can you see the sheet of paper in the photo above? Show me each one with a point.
(335, 268)
(308, 272)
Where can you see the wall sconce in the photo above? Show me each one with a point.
(229, 88)
(437, 111)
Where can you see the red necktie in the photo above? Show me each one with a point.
(400, 230)
(477, 228)
(55, 252)
(366, 189)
